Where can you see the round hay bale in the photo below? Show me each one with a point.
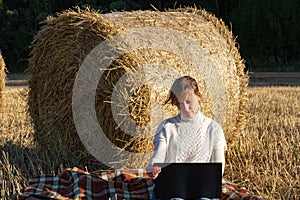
(59, 48)
(215, 39)
(131, 91)
(2, 80)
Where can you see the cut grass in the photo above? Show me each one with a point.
(265, 158)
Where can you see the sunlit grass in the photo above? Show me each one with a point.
(265, 158)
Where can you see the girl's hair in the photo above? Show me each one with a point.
(180, 85)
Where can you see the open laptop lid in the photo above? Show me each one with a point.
(189, 180)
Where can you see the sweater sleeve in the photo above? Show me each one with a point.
(218, 144)
(219, 141)
(160, 145)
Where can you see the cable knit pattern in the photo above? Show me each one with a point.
(190, 139)
(197, 139)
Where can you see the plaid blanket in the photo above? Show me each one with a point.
(231, 191)
(78, 184)
(109, 184)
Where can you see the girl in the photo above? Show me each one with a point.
(189, 136)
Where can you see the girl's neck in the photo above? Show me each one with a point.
(190, 119)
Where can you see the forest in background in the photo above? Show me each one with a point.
(267, 31)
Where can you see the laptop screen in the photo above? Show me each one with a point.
(189, 180)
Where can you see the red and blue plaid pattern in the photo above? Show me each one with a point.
(231, 191)
(109, 184)
(78, 184)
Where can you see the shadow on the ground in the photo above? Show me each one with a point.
(257, 79)
(274, 79)
(18, 164)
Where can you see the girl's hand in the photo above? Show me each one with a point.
(153, 171)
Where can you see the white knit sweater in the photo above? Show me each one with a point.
(197, 139)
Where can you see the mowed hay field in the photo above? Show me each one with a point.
(265, 158)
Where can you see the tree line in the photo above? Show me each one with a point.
(268, 31)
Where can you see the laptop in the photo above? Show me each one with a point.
(188, 180)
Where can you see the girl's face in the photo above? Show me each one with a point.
(188, 103)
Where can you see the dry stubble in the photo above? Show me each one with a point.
(265, 158)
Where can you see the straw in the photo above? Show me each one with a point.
(2, 80)
(63, 43)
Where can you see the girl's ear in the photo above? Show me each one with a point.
(199, 96)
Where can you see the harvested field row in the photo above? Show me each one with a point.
(265, 158)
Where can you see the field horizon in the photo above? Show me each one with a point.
(256, 79)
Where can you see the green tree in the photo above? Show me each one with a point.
(268, 32)
(120, 5)
(19, 22)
